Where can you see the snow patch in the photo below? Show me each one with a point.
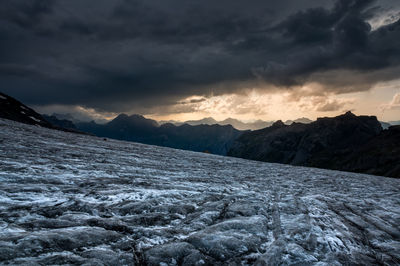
(35, 119)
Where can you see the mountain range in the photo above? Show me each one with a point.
(240, 125)
(346, 142)
(214, 138)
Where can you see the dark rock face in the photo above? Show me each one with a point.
(12, 109)
(123, 127)
(379, 156)
(339, 143)
(215, 139)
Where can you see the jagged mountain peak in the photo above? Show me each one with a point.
(134, 119)
(278, 123)
(350, 114)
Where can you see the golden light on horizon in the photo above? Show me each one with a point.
(305, 101)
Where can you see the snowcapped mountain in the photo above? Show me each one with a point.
(76, 199)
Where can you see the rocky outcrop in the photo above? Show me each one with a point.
(346, 142)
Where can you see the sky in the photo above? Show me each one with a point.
(188, 59)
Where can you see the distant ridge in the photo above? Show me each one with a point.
(303, 120)
(204, 121)
(394, 123)
(240, 125)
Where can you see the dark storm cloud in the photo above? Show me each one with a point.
(117, 55)
(25, 14)
(17, 70)
(321, 40)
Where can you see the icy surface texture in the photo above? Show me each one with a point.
(74, 199)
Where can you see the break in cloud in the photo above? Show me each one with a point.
(118, 56)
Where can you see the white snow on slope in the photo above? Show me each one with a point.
(35, 119)
(75, 199)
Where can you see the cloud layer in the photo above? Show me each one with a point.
(133, 55)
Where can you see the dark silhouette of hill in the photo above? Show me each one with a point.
(346, 142)
(123, 127)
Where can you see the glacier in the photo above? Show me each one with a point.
(71, 199)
